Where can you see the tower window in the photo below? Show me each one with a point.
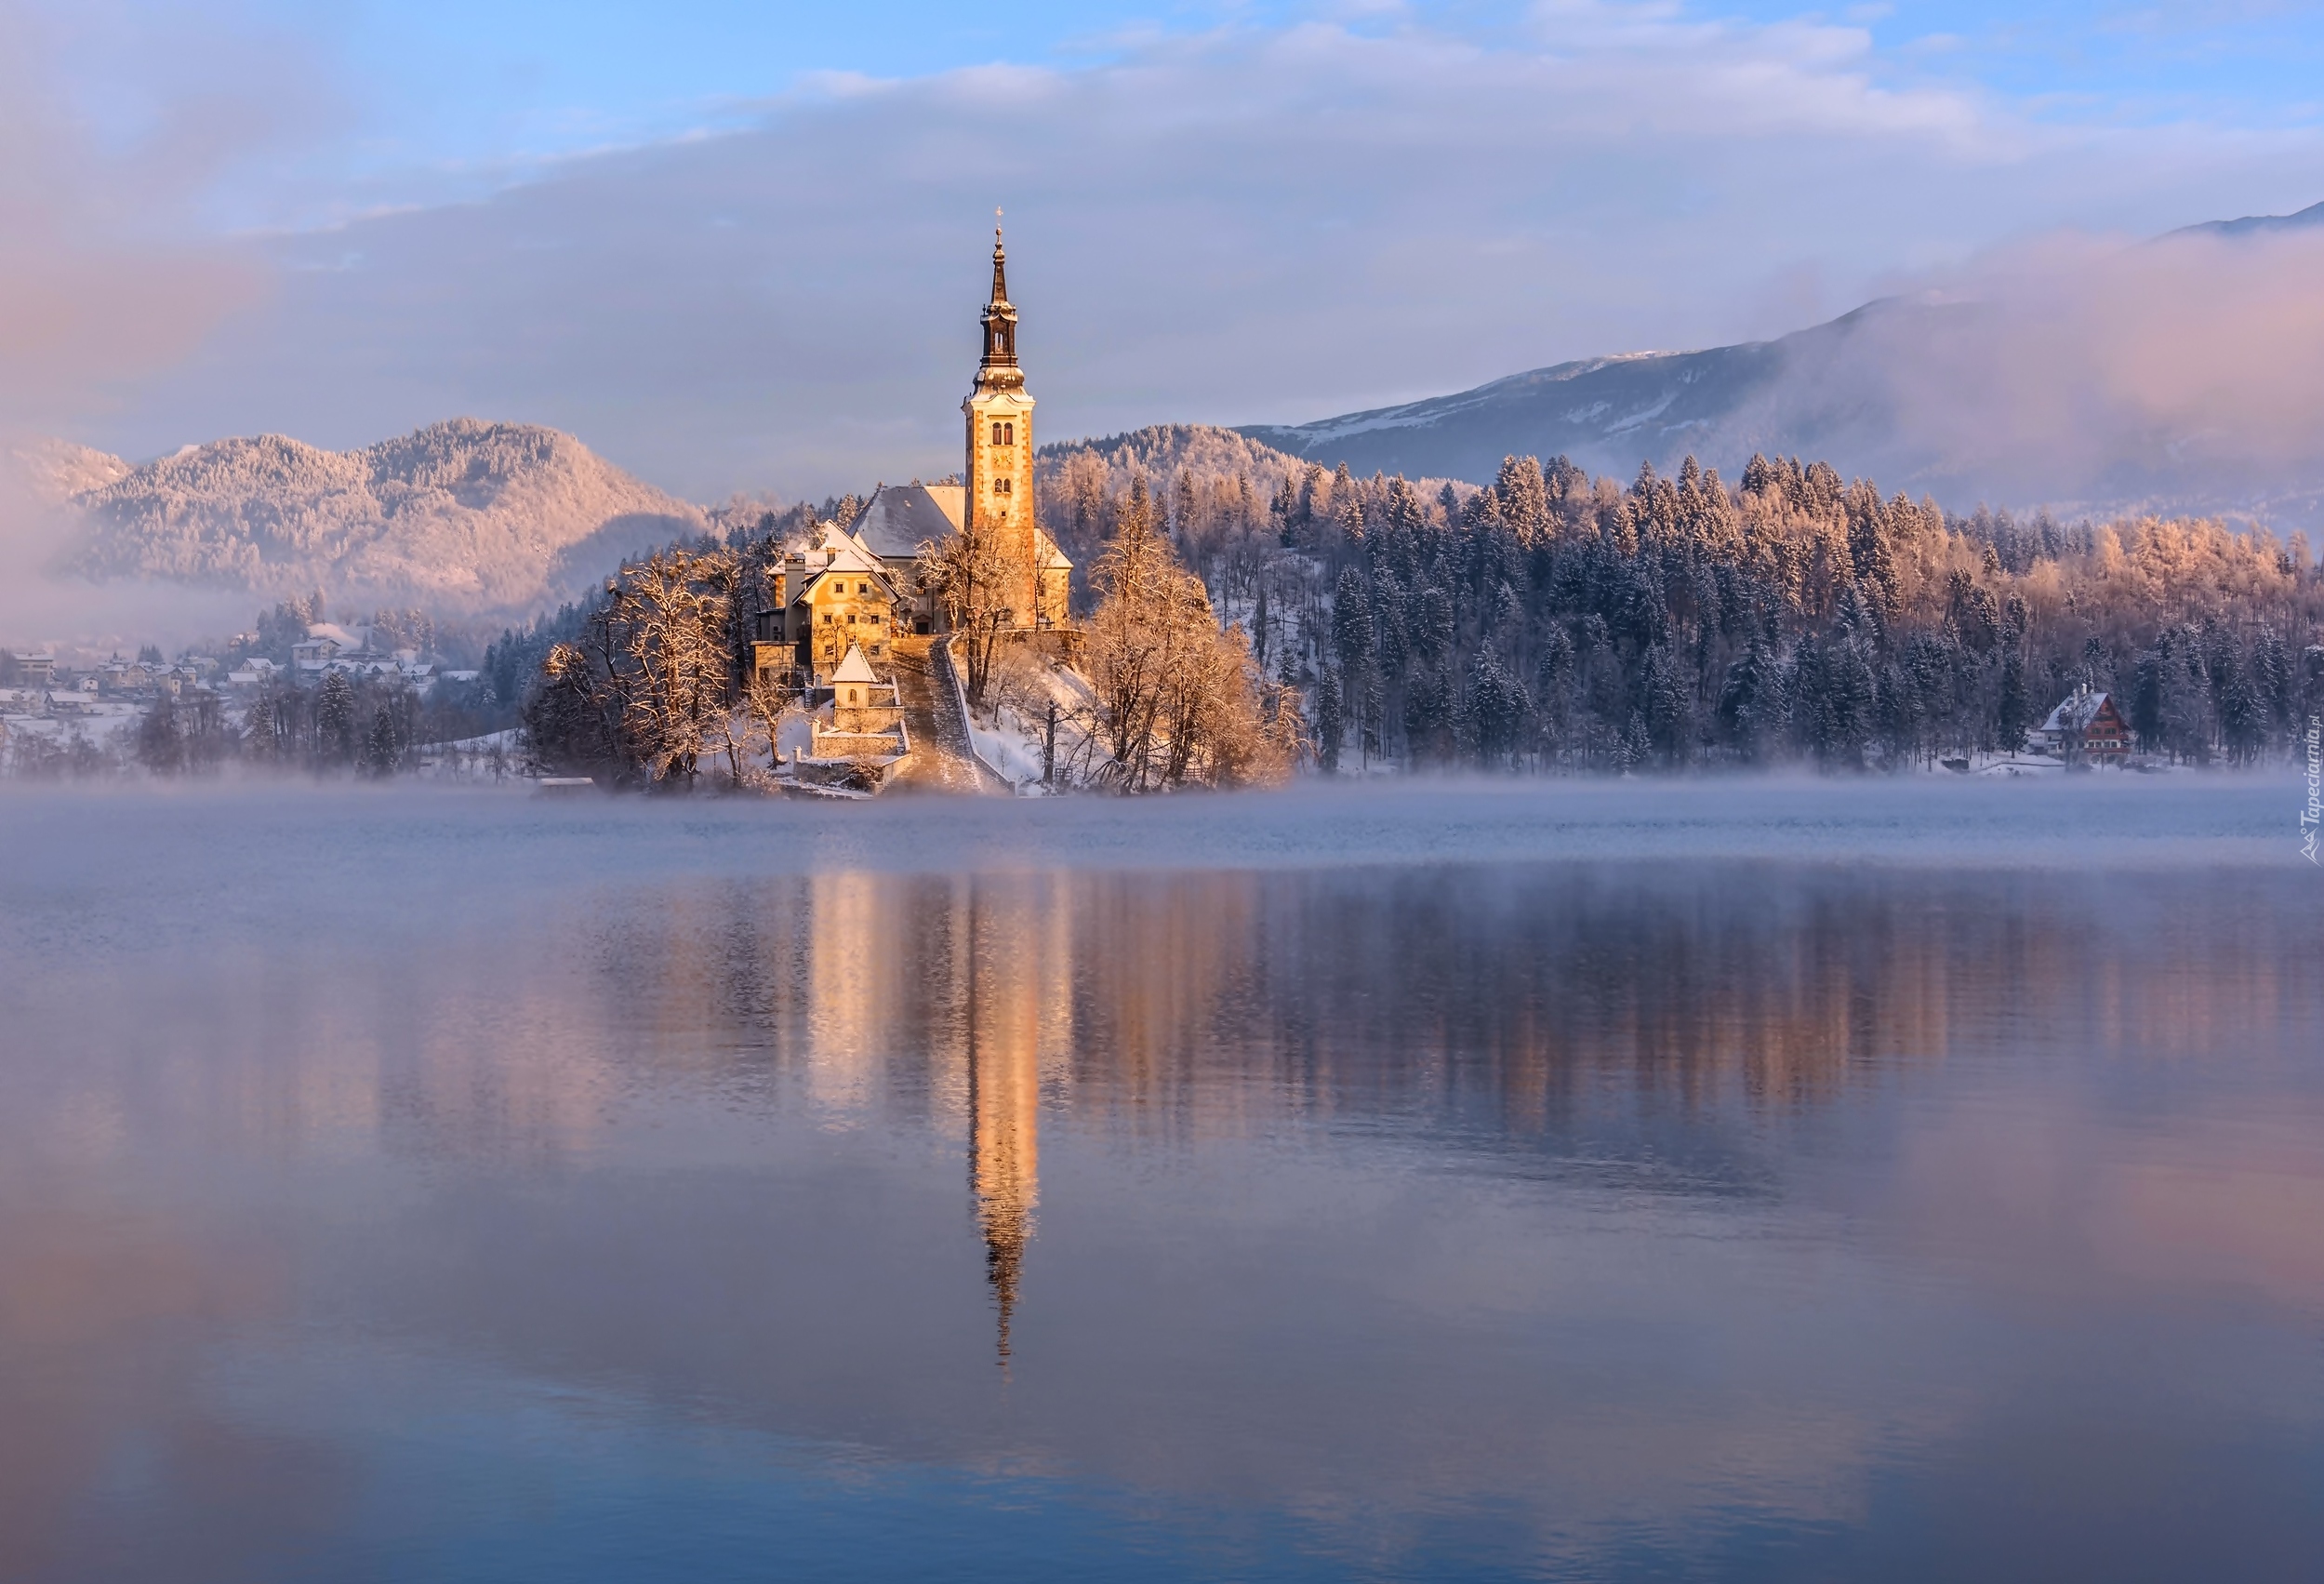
(1003, 486)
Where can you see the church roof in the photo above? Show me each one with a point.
(899, 518)
(854, 668)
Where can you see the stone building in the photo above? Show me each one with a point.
(831, 597)
(867, 715)
(862, 583)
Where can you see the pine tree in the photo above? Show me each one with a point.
(335, 719)
(2013, 713)
(1352, 642)
(383, 744)
(1329, 722)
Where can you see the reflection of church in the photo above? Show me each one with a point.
(1017, 1010)
(864, 584)
(1005, 1159)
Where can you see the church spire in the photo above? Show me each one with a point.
(999, 371)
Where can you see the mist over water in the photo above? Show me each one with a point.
(1734, 1179)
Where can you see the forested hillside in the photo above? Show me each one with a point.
(463, 517)
(1553, 620)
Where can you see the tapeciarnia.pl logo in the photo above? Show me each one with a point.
(2309, 815)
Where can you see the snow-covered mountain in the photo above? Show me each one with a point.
(2259, 225)
(462, 516)
(2168, 377)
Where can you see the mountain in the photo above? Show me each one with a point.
(2258, 225)
(1806, 395)
(1606, 413)
(463, 516)
(53, 472)
(2163, 377)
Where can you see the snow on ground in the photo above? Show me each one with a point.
(495, 759)
(509, 741)
(1009, 734)
(1009, 749)
(105, 723)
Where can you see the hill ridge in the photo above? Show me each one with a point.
(466, 514)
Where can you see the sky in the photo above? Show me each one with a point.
(739, 247)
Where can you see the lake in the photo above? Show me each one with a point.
(1724, 1180)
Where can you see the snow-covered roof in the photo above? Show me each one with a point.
(2076, 710)
(337, 634)
(854, 668)
(899, 518)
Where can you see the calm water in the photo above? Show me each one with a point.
(1722, 1182)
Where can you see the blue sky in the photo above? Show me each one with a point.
(735, 247)
(438, 80)
(437, 98)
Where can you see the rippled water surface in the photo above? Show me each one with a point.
(1720, 1181)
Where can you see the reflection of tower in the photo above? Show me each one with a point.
(1007, 973)
(1003, 1150)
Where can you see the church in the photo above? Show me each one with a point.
(862, 585)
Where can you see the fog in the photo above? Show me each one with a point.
(110, 274)
(306, 844)
(2183, 374)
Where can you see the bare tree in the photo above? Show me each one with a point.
(971, 576)
(1178, 699)
(651, 686)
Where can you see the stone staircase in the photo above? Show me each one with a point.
(942, 759)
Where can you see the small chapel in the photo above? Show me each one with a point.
(858, 586)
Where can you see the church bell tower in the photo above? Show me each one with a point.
(999, 475)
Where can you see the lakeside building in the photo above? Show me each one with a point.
(864, 584)
(2086, 725)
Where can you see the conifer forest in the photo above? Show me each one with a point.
(1554, 621)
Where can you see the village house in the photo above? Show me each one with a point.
(832, 598)
(37, 669)
(325, 642)
(2085, 726)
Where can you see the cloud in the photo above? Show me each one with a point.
(1243, 225)
(110, 273)
(105, 274)
(2185, 373)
